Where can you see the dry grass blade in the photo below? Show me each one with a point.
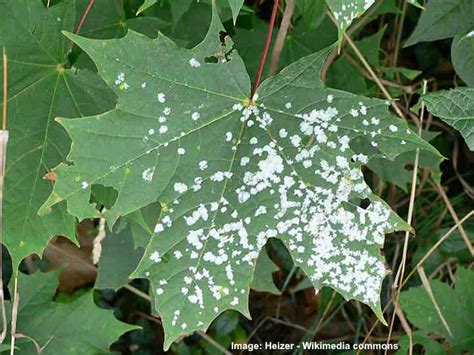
(455, 217)
(406, 327)
(401, 271)
(429, 291)
(3, 158)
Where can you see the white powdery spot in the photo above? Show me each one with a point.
(161, 98)
(393, 128)
(179, 187)
(159, 291)
(151, 131)
(330, 98)
(155, 257)
(84, 184)
(195, 116)
(181, 151)
(244, 161)
(203, 165)
(147, 174)
(228, 136)
(194, 63)
(159, 228)
(288, 105)
(143, 85)
(470, 34)
(237, 107)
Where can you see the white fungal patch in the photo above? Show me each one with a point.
(288, 105)
(84, 185)
(161, 98)
(194, 63)
(163, 129)
(151, 131)
(393, 128)
(195, 116)
(203, 165)
(180, 187)
(143, 85)
(155, 257)
(159, 228)
(120, 82)
(329, 98)
(228, 136)
(147, 174)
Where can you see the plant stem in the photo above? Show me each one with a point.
(84, 16)
(280, 40)
(261, 64)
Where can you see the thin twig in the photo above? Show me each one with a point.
(406, 327)
(438, 243)
(84, 16)
(282, 32)
(454, 216)
(268, 41)
(399, 34)
(371, 71)
(401, 270)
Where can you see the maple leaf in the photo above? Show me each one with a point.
(232, 172)
(40, 88)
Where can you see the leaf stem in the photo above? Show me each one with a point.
(261, 64)
(84, 16)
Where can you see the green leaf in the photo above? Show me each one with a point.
(456, 108)
(346, 11)
(400, 170)
(235, 6)
(415, 3)
(443, 19)
(231, 172)
(107, 19)
(146, 5)
(456, 305)
(313, 12)
(40, 88)
(462, 56)
(119, 258)
(262, 278)
(62, 328)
